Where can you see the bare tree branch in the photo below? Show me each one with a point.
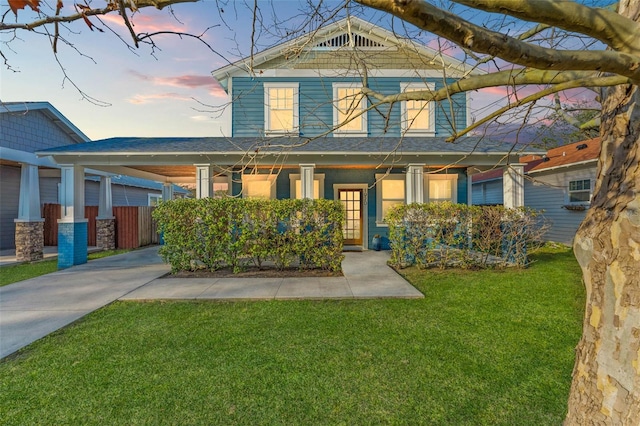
(511, 49)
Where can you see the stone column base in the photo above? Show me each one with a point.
(29, 241)
(106, 234)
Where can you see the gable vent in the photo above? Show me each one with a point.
(344, 40)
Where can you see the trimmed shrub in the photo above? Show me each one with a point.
(447, 234)
(215, 232)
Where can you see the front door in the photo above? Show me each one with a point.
(351, 199)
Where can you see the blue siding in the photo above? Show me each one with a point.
(316, 108)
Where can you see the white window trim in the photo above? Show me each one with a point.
(296, 109)
(339, 132)
(294, 177)
(379, 178)
(151, 196)
(579, 179)
(452, 177)
(258, 178)
(404, 121)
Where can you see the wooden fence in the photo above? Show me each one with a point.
(134, 225)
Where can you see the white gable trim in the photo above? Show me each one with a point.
(350, 24)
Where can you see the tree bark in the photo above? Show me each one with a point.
(606, 376)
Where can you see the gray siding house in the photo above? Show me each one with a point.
(27, 127)
(560, 183)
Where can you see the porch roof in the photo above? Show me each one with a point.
(170, 158)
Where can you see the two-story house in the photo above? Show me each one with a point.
(301, 126)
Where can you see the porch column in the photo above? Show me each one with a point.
(306, 181)
(106, 221)
(72, 226)
(204, 181)
(167, 191)
(29, 236)
(415, 183)
(513, 185)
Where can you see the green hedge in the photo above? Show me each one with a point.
(447, 234)
(217, 232)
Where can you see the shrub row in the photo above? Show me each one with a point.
(447, 234)
(217, 232)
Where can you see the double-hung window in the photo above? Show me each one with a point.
(390, 192)
(440, 187)
(259, 186)
(580, 191)
(417, 117)
(349, 110)
(281, 112)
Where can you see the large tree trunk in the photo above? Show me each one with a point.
(606, 376)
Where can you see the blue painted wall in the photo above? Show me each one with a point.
(316, 108)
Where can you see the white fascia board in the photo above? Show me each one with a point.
(26, 157)
(379, 73)
(127, 171)
(564, 166)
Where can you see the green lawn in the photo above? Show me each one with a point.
(23, 271)
(488, 347)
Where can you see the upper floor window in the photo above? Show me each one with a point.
(349, 116)
(440, 187)
(580, 191)
(418, 117)
(281, 109)
(390, 192)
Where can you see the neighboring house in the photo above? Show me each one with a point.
(300, 127)
(26, 127)
(560, 183)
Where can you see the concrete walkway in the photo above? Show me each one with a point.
(31, 309)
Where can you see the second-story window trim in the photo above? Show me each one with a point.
(417, 117)
(281, 109)
(348, 101)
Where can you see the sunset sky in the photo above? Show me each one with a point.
(167, 91)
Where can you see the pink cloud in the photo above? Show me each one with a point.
(188, 81)
(145, 23)
(145, 99)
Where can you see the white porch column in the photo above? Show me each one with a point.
(167, 191)
(204, 181)
(29, 233)
(105, 202)
(306, 181)
(415, 183)
(72, 193)
(513, 185)
(29, 201)
(72, 226)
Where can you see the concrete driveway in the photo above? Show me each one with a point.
(31, 309)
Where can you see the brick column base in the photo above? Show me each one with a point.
(72, 243)
(106, 234)
(29, 241)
